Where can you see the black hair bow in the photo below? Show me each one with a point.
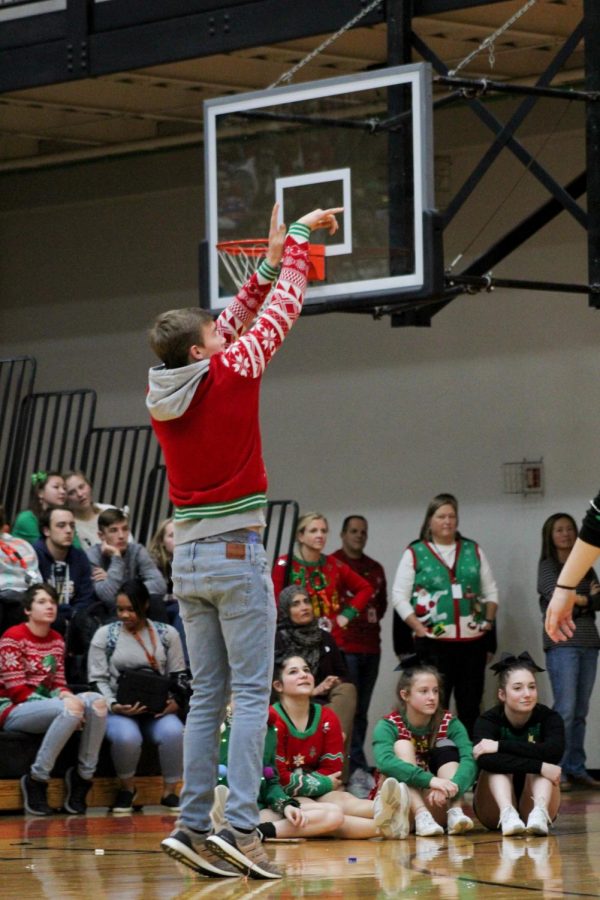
(510, 661)
(411, 661)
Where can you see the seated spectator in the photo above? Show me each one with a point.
(309, 759)
(298, 634)
(62, 564)
(86, 511)
(34, 698)
(135, 642)
(328, 581)
(47, 489)
(115, 560)
(281, 816)
(18, 570)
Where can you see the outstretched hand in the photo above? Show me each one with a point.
(559, 615)
(322, 218)
(276, 239)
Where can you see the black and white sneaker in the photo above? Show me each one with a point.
(124, 802)
(35, 797)
(171, 801)
(77, 790)
(191, 849)
(244, 851)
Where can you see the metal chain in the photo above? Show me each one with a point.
(287, 76)
(488, 43)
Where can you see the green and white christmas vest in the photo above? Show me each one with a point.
(448, 601)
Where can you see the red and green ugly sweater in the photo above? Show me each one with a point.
(395, 726)
(271, 794)
(333, 587)
(363, 634)
(31, 667)
(306, 759)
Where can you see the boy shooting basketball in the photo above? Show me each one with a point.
(204, 403)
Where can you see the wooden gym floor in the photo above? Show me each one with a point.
(105, 856)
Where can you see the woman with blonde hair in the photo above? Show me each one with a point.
(326, 579)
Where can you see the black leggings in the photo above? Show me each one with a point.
(462, 664)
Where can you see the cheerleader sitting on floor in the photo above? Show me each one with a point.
(517, 746)
(426, 748)
(310, 759)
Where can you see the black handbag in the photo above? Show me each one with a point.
(144, 686)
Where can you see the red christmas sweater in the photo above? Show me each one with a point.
(333, 587)
(212, 448)
(306, 759)
(31, 667)
(363, 634)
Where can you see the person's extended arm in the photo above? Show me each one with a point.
(241, 312)
(559, 615)
(249, 355)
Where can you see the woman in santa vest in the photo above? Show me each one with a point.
(445, 591)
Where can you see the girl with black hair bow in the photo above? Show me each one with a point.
(518, 745)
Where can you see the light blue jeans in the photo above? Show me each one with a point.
(228, 611)
(572, 672)
(52, 716)
(126, 734)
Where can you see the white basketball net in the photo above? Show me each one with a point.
(242, 260)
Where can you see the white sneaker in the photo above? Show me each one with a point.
(538, 821)
(217, 813)
(510, 822)
(458, 822)
(384, 805)
(425, 824)
(400, 824)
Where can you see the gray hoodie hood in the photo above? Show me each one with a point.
(171, 390)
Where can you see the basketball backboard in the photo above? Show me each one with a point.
(363, 142)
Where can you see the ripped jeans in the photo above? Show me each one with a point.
(53, 718)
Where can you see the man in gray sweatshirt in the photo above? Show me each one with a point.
(115, 559)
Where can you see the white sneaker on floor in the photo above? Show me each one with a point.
(385, 804)
(426, 826)
(400, 825)
(458, 822)
(510, 822)
(538, 821)
(217, 813)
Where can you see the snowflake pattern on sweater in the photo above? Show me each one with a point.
(249, 354)
(31, 667)
(306, 759)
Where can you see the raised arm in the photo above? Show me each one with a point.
(241, 312)
(559, 615)
(250, 354)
